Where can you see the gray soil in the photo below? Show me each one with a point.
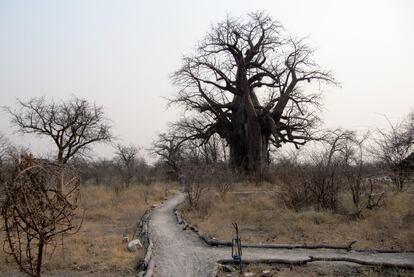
(179, 252)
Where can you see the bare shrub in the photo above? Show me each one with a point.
(315, 183)
(196, 182)
(374, 200)
(223, 188)
(4, 152)
(317, 179)
(395, 149)
(36, 210)
(127, 155)
(194, 189)
(168, 147)
(223, 178)
(353, 166)
(293, 191)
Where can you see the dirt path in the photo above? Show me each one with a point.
(179, 252)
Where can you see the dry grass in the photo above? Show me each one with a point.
(97, 248)
(315, 270)
(263, 218)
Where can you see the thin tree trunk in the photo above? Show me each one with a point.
(39, 259)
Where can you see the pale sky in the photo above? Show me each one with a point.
(119, 54)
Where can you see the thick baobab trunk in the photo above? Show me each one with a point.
(254, 145)
(254, 130)
(238, 136)
(239, 152)
(248, 146)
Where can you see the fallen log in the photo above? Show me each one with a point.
(215, 242)
(347, 246)
(300, 262)
(297, 262)
(150, 269)
(148, 254)
(361, 262)
(142, 232)
(376, 250)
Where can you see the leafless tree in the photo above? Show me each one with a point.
(73, 125)
(209, 153)
(395, 149)
(103, 171)
(127, 154)
(325, 176)
(318, 179)
(4, 149)
(196, 184)
(223, 178)
(246, 83)
(409, 128)
(353, 160)
(168, 147)
(35, 211)
(8, 153)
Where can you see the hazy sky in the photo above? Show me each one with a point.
(120, 54)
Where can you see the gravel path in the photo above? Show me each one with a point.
(179, 252)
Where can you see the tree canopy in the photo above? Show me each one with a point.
(246, 82)
(73, 125)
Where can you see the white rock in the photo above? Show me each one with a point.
(248, 274)
(133, 245)
(266, 273)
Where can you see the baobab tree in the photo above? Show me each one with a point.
(73, 125)
(246, 82)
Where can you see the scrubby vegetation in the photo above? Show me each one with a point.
(335, 191)
(248, 89)
(263, 217)
(97, 249)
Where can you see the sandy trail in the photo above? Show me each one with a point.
(180, 253)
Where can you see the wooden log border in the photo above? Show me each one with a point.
(143, 234)
(301, 262)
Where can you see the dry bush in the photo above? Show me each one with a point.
(108, 218)
(224, 179)
(317, 179)
(195, 184)
(395, 149)
(98, 247)
(389, 226)
(310, 185)
(40, 204)
(198, 179)
(292, 190)
(194, 190)
(373, 198)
